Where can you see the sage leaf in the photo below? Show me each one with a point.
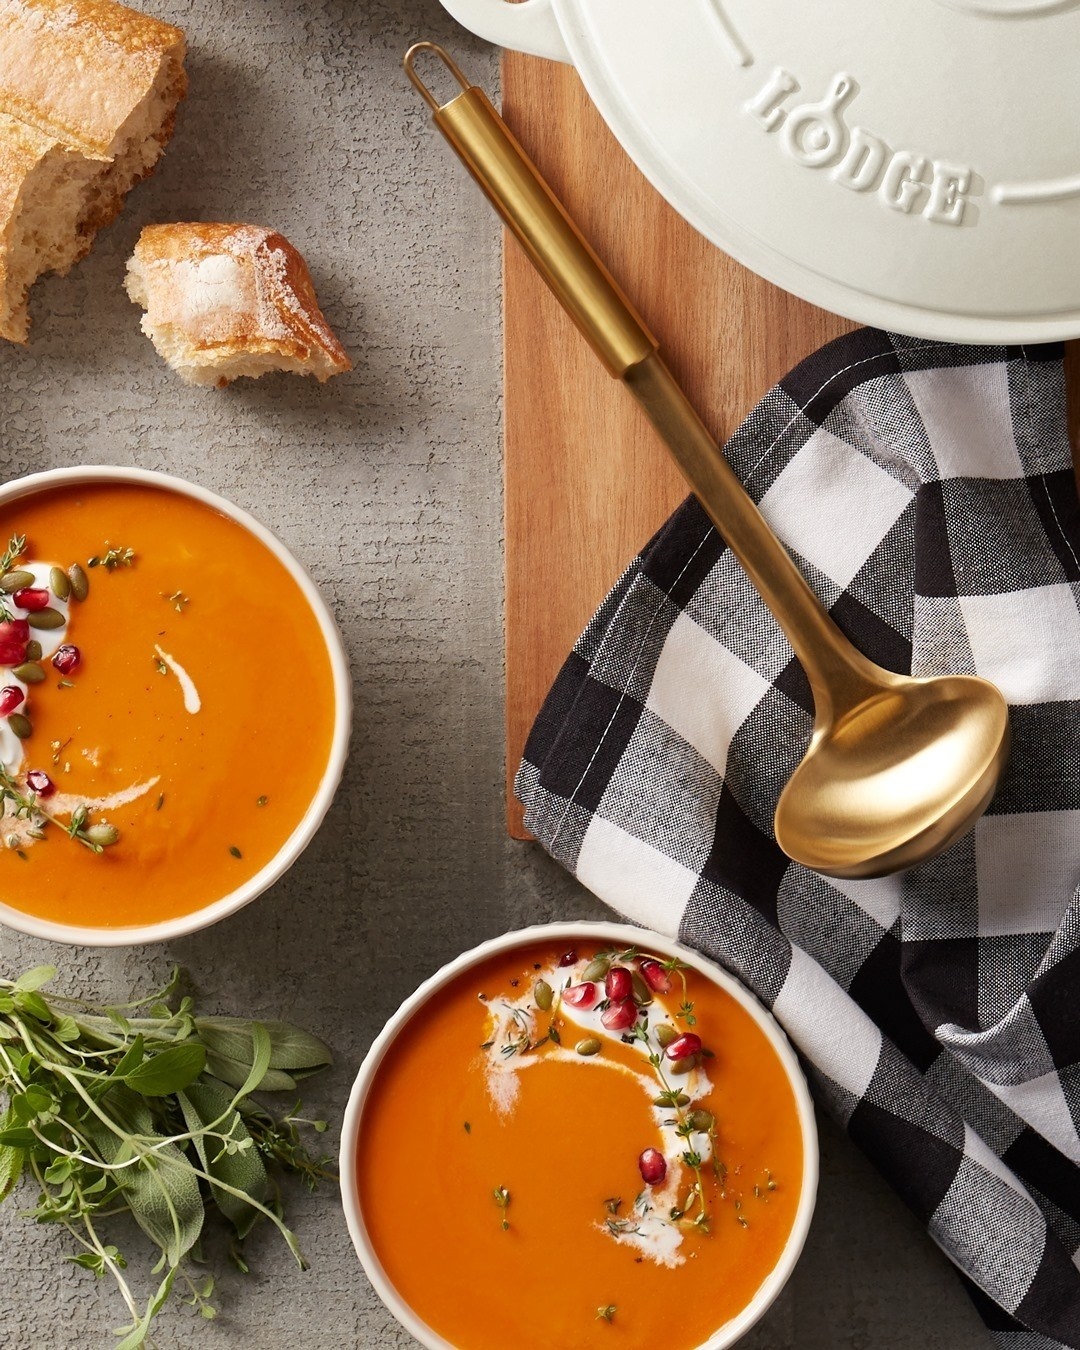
(233, 1072)
(129, 1112)
(168, 1071)
(203, 1104)
(260, 1042)
(290, 1047)
(12, 1161)
(166, 1203)
(161, 1191)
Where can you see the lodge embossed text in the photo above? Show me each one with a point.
(817, 134)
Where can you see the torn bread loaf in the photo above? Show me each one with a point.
(88, 95)
(223, 301)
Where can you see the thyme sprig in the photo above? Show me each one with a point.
(686, 1008)
(16, 547)
(145, 1109)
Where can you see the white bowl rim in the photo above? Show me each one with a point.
(558, 932)
(166, 929)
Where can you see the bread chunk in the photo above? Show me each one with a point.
(223, 301)
(88, 96)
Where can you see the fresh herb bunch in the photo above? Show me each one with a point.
(145, 1109)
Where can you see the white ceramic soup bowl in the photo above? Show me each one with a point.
(222, 906)
(559, 935)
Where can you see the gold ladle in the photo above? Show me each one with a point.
(897, 767)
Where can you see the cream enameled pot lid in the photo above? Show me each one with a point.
(913, 165)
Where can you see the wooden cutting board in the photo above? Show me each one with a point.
(587, 482)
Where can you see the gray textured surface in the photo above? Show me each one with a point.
(387, 484)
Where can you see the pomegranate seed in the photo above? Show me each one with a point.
(620, 1016)
(66, 658)
(14, 635)
(32, 598)
(568, 958)
(37, 780)
(656, 977)
(618, 985)
(580, 995)
(653, 1167)
(10, 698)
(682, 1047)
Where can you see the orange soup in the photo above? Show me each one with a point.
(162, 736)
(579, 1149)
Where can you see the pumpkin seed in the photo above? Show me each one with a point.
(543, 994)
(702, 1121)
(683, 1066)
(589, 1046)
(20, 725)
(597, 968)
(681, 1100)
(103, 835)
(666, 1033)
(642, 992)
(15, 581)
(33, 650)
(29, 672)
(45, 618)
(60, 583)
(80, 582)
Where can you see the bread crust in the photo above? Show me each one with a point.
(225, 291)
(110, 58)
(88, 95)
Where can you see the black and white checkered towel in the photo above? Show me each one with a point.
(927, 492)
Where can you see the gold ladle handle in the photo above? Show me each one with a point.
(839, 675)
(513, 185)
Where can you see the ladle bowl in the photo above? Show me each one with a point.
(897, 778)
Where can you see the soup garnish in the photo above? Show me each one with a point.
(37, 596)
